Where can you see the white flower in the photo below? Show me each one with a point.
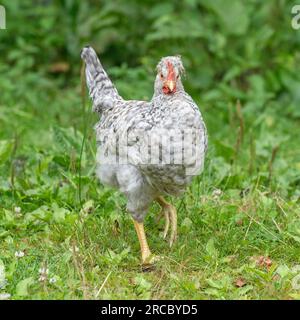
(43, 271)
(17, 210)
(19, 254)
(4, 296)
(42, 278)
(74, 249)
(3, 281)
(217, 193)
(52, 280)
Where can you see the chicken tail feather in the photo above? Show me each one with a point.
(101, 90)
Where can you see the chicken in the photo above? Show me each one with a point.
(147, 149)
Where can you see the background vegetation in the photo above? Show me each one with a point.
(64, 236)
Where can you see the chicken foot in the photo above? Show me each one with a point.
(171, 219)
(147, 257)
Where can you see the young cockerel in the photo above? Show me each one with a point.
(147, 149)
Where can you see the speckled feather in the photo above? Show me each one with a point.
(138, 179)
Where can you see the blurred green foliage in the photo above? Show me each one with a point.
(236, 44)
(232, 50)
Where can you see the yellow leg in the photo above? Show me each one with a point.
(171, 218)
(145, 251)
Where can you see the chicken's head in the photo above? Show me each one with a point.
(169, 70)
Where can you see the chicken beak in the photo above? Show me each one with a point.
(171, 85)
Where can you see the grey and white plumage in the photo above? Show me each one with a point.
(138, 122)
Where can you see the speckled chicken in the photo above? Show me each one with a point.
(147, 149)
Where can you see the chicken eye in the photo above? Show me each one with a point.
(161, 76)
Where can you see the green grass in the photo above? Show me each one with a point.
(235, 212)
(238, 223)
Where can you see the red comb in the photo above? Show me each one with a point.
(171, 71)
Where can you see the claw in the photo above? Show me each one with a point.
(171, 220)
(148, 264)
(167, 224)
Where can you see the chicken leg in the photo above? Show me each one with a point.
(147, 257)
(171, 218)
